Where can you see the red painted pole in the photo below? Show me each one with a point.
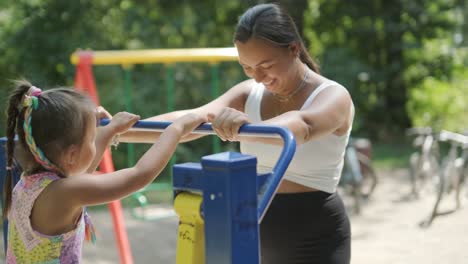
(84, 81)
(115, 208)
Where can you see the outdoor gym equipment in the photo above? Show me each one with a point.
(222, 200)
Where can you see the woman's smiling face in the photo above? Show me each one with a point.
(267, 63)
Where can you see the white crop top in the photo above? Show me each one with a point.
(317, 163)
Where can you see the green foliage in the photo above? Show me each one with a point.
(441, 104)
(381, 50)
(387, 53)
(39, 36)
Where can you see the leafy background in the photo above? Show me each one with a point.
(403, 61)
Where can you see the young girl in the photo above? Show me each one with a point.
(59, 147)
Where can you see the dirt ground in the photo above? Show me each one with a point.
(386, 232)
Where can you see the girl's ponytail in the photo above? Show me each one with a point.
(13, 112)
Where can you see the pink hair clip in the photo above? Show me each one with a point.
(34, 91)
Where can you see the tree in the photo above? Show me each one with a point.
(39, 36)
(378, 53)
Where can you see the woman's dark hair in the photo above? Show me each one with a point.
(272, 23)
(59, 121)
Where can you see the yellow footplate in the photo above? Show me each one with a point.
(191, 240)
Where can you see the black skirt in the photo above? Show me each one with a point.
(310, 227)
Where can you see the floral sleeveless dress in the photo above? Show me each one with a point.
(25, 245)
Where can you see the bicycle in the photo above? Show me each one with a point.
(369, 181)
(452, 174)
(424, 163)
(358, 176)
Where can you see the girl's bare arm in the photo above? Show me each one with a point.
(87, 189)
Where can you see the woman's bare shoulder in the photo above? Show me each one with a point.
(245, 86)
(236, 96)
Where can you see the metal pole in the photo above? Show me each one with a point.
(127, 68)
(170, 103)
(267, 191)
(216, 143)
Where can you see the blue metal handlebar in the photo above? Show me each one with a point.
(287, 153)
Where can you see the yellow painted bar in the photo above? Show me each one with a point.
(191, 233)
(128, 57)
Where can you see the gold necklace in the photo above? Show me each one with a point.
(287, 98)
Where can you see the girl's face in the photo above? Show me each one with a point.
(268, 64)
(85, 153)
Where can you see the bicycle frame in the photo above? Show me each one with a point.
(451, 175)
(424, 163)
(357, 171)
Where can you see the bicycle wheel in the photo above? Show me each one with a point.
(414, 170)
(441, 187)
(369, 177)
(425, 177)
(461, 174)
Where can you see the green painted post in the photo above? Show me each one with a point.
(216, 143)
(170, 105)
(140, 196)
(128, 105)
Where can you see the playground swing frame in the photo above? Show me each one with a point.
(84, 80)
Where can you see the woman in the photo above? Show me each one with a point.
(306, 222)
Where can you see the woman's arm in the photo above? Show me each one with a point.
(234, 98)
(329, 113)
(147, 136)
